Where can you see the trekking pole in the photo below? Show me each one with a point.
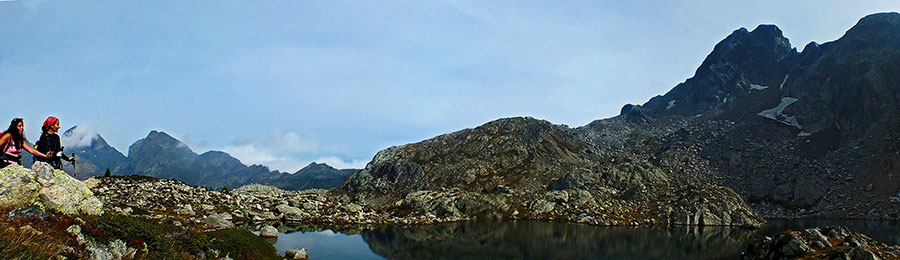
(74, 160)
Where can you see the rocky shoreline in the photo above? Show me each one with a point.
(832, 242)
(169, 198)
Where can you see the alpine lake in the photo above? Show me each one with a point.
(545, 240)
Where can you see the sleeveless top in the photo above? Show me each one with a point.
(11, 152)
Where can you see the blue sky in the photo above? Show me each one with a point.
(284, 83)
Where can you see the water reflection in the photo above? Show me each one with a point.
(541, 240)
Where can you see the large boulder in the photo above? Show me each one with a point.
(50, 188)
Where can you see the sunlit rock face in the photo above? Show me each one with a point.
(50, 188)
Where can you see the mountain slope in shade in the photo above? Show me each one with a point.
(162, 156)
(94, 159)
(809, 133)
(313, 176)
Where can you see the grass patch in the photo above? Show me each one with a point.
(23, 244)
(33, 238)
(243, 244)
(164, 240)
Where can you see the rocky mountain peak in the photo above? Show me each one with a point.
(876, 25)
(157, 141)
(764, 45)
(743, 61)
(313, 166)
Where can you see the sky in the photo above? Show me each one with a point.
(286, 83)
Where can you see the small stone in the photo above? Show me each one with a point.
(301, 255)
(30, 211)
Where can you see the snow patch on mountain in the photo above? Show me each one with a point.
(777, 113)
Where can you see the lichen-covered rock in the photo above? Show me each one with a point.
(48, 187)
(18, 186)
(833, 242)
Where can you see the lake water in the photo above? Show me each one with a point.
(543, 240)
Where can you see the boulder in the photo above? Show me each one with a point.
(268, 231)
(296, 254)
(219, 220)
(18, 186)
(186, 210)
(288, 210)
(50, 188)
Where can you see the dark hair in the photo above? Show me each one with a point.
(13, 130)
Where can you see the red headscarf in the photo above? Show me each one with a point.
(51, 121)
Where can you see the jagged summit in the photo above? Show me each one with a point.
(742, 62)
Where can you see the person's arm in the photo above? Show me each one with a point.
(35, 152)
(3, 140)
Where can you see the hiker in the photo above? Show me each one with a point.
(49, 144)
(13, 142)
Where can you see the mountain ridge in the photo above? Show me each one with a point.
(163, 156)
(792, 133)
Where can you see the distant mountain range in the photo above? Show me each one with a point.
(162, 156)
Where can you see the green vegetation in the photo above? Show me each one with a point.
(34, 238)
(242, 244)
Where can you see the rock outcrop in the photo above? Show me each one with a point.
(523, 168)
(49, 188)
(791, 133)
(833, 242)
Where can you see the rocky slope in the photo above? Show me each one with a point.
(528, 168)
(793, 133)
(833, 242)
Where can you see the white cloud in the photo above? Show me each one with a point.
(274, 142)
(339, 163)
(285, 162)
(81, 136)
(254, 154)
(279, 151)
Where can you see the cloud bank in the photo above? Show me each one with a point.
(284, 152)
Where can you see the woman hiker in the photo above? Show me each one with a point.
(13, 142)
(49, 144)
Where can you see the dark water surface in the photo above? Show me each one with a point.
(543, 240)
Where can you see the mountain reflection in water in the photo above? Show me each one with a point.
(542, 240)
